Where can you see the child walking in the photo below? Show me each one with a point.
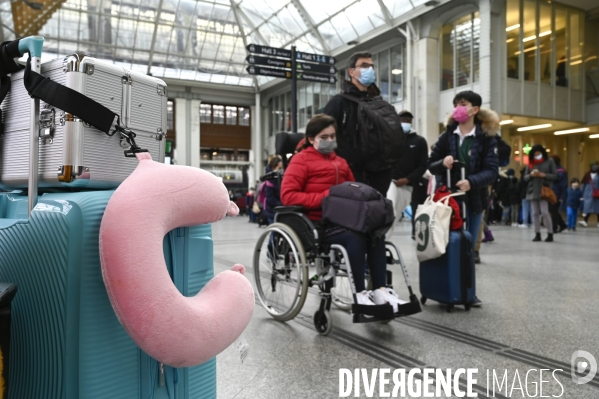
(573, 203)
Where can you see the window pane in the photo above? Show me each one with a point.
(561, 71)
(231, 115)
(280, 109)
(169, 115)
(316, 98)
(218, 114)
(396, 74)
(463, 40)
(447, 57)
(512, 33)
(309, 101)
(475, 47)
(591, 60)
(244, 116)
(205, 113)
(545, 35)
(383, 69)
(530, 40)
(576, 42)
(288, 112)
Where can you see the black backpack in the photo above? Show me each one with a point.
(380, 135)
(358, 207)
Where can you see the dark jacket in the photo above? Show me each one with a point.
(272, 191)
(509, 193)
(560, 186)
(484, 164)
(414, 159)
(345, 113)
(522, 185)
(573, 198)
(309, 177)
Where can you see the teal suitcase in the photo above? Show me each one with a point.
(66, 341)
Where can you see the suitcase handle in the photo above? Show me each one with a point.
(462, 167)
(32, 45)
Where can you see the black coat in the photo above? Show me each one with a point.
(345, 113)
(413, 163)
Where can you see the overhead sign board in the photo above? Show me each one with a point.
(313, 77)
(265, 50)
(321, 59)
(268, 61)
(316, 68)
(275, 73)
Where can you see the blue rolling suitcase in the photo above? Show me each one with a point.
(66, 341)
(450, 278)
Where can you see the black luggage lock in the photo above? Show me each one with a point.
(129, 137)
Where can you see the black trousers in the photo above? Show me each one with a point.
(380, 181)
(556, 217)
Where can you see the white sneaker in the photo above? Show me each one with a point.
(583, 223)
(522, 226)
(363, 298)
(384, 295)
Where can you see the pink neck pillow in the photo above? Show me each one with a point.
(173, 329)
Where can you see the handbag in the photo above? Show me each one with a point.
(256, 208)
(432, 225)
(548, 195)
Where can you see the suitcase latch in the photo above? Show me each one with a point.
(47, 125)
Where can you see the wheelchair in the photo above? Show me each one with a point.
(285, 254)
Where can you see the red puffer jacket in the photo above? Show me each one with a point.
(309, 177)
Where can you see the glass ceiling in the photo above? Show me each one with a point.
(205, 40)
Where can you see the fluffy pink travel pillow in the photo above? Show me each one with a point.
(173, 329)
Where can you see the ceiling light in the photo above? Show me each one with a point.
(517, 152)
(506, 122)
(510, 40)
(535, 127)
(396, 71)
(579, 130)
(544, 33)
(594, 136)
(548, 150)
(509, 28)
(529, 38)
(576, 62)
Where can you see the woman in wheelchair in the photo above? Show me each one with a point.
(308, 178)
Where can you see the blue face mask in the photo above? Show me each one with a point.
(407, 127)
(367, 76)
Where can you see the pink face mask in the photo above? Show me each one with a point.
(460, 114)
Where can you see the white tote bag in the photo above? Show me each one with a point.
(432, 227)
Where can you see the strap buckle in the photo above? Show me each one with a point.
(129, 136)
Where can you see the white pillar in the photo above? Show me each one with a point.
(258, 147)
(426, 71)
(195, 133)
(183, 144)
(485, 52)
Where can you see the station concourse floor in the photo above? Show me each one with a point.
(540, 305)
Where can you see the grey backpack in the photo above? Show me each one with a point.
(358, 207)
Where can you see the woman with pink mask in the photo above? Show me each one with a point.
(469, 139)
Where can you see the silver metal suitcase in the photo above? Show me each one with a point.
(71, 152)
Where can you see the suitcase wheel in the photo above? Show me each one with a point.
(449, 308)
(423, 300)
(467, 307)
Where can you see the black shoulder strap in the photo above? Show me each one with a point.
(68, 100)
(350, 97)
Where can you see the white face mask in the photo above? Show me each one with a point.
(539, 157)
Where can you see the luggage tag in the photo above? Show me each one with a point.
(242, 347)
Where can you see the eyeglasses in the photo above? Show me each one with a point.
(365, 66)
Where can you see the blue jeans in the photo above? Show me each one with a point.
(572, 217)
(525, 212)
(473, 222)
(358, 247)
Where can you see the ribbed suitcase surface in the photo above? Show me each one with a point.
(441, 278)
(66, 340)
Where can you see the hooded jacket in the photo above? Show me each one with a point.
(414, 158)
(309, 177)
(345, 113)
(484, 164)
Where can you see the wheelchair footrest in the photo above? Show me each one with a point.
(371, 313)
(409, 308)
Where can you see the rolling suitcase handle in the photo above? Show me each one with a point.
(32, 45)
(463, 176)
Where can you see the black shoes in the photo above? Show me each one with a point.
(476, 257)
(476, 303)
(549, 238)
(537, 237)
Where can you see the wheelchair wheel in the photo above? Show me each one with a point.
(323, 322)
(280, 272)
(341, 294)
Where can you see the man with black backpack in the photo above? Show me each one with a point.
(369, 134)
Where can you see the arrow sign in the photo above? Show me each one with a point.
(275, 62)
(321, 59)
(275, 73)
(312, 77)
(305, 67)
(265, 50)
